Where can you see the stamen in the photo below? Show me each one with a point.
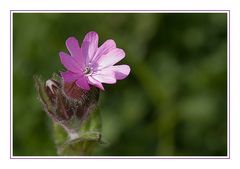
(87, 71)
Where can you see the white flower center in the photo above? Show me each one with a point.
(87, 71)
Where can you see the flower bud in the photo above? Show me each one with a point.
(67, 104)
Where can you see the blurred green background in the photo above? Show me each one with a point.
(173, 103)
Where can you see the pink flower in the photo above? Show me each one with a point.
(92, 65)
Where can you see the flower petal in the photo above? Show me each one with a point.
(75, 50)
(105, 76)
(70, 76)
(121, 71)
(95, 82)
(85, 49)
(83, 83)
(73, 46)
(70, 62)
(106, 47)
(110, 58)
(92, 45)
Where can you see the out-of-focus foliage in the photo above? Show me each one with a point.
(173, 103)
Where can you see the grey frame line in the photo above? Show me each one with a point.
(133, 157)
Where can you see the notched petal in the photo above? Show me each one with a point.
(121, 71)
(70, 62)
(110, 58)
(105, 48)
(73, 46)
